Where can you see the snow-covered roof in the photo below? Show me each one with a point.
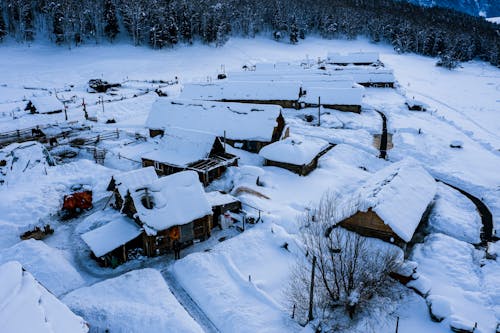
(26, 306)
(296, 150)
(399, 194)
(242, 90)
(177, 200)
(110, 236)
(47, 104)
(361, 75)
(259, 119)
(353, 58)
(333, 96)
(216, 198)
(182, 147)
(135, 179)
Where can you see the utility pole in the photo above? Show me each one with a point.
(319, 110)
(102, 103)
(65, 111)
(311, 290)
(397, 324)
(85, 109)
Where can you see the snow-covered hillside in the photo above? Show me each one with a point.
(235, 280)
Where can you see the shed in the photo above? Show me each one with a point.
(182, 149)
(354, 58)
(282, 93)
(263, 124)
(297, 154)
(110, 243)
(221, 203)
(46, 104)
(172, 208)
(392, 202)
(339, 98)
(26, 306)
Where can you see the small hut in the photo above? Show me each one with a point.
(111, 242)
(353, 58)
(246, 126)
(221, 203)
(46, 104)
(172, 208)
(182, 149)
(297, 153)
(340, 98)
(392, 203)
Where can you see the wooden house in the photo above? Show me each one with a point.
(181, 149)
(297, 154)
(245, 126)
(367, 77)
(171, 208)
(339, 98)
(392, 203)
(353, 58)
(45, 104)
(282, 93)
(111, 242)
(221, 203)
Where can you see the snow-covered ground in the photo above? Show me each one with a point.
(238, 283)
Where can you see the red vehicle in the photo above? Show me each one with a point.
(75, 203)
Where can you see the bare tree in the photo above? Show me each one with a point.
(350, 270)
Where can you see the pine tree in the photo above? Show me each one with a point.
(111, 28)
(3, 28)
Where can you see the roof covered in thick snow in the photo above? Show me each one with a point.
(219, 118)
(353, 58)
(182, 147)
(26, 306)
(242, 90)
(110, 236)
(399, 194)
(296, 150)
(216, 198)
(47, 104)
(363, 75)
(135, 179)
(177, 199)
(333, 96)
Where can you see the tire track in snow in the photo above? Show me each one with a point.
(188, 303)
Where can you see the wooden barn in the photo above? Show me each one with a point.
(221, 203)
(282, 93)
(297, 154)
(353, 58)
(170, 208)
(245, 126)
(110, 244)
(181, 149)
(339, 98)
(45, 104)
(392, 203)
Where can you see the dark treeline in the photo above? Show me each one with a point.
(162, 23)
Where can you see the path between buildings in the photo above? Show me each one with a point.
(188, 303)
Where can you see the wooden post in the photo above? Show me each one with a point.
(85, 109)
(293, 311)
(397, 324)
(319, 110)
(65, 111)
(311, 290)
(224, 141)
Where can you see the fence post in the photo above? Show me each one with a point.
(311, 290)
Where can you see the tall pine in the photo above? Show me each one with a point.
(111, 28)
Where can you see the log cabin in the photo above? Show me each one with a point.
(181, 149)
(347, 98)
(246, 126)
(392, 203)
(44, 104)
(296, 153)
(353, 58)
(221, 203)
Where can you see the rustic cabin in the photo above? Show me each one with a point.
(172, 208)
(297, 154)
(353, 58)
(263, 124)
(127, 182)
(392, 203)
(111, 243)
(367, 77)
(282, 93)
(415, 105)
(221, 203)
(181, 149)
(45, 104)
(343, 99)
